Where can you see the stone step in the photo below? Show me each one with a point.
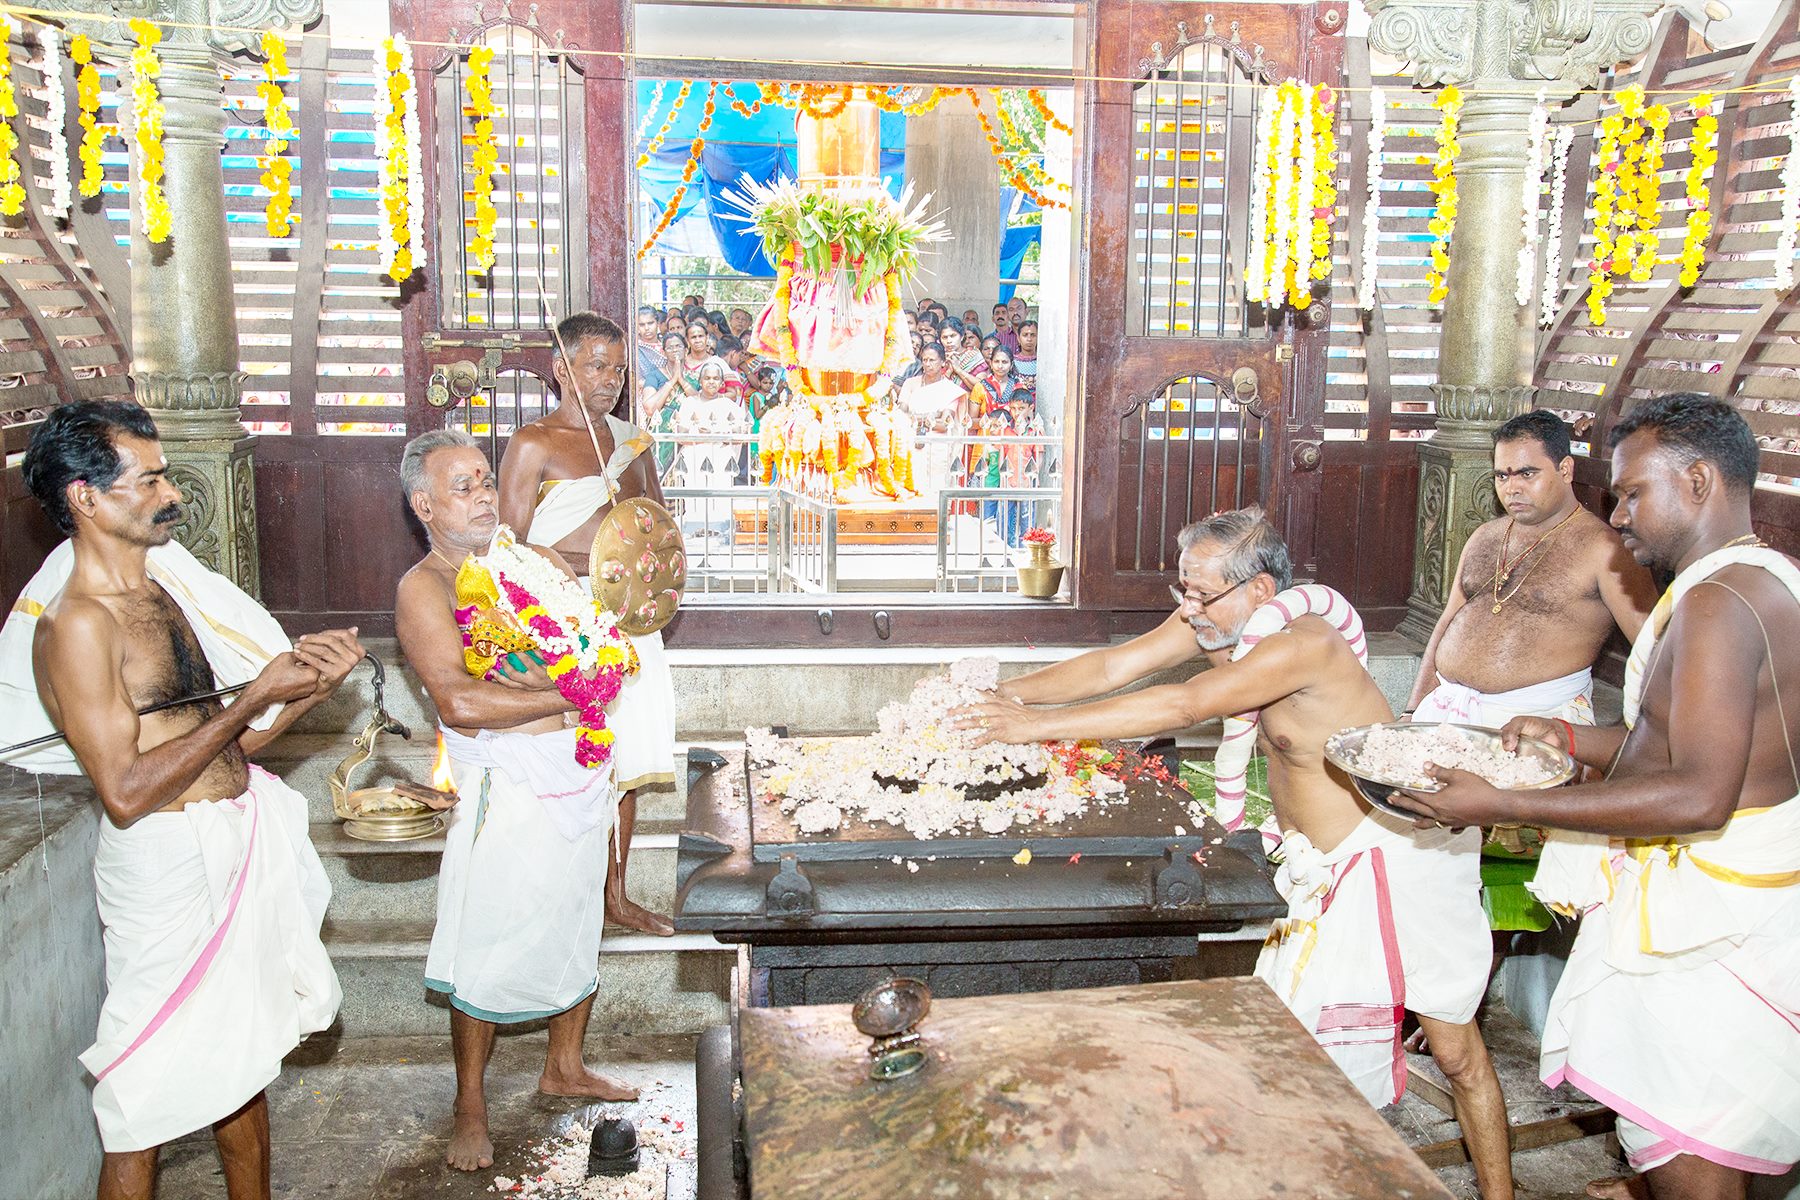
(648, 985)
(718, 693)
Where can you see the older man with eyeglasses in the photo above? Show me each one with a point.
(1382, 916)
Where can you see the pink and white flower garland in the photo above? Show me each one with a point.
(1371, 233)
(1551, 295)
(1790, 194)
(1531, 187)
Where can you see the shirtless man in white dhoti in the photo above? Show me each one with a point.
(1536, 595)
(551, 492)
(519, 909)
(1382, 918)
(1680, 1007)
(209, 891)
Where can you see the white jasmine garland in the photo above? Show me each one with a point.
(1306, 164)
(415, 162)
(656, 99)
(1256, 277)
(385, 245)
(1790, 194)
(1530, 187)
(1287, 124)
(62, 193)
(1559, 176)
(1371, 244)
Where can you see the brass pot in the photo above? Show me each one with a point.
(1040, 554)
(1040, 582)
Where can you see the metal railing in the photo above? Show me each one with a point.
(751, 539)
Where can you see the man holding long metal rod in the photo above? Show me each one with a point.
(210, 894)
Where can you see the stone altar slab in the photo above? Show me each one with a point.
(1207, 1090)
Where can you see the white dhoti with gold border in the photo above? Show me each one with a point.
(214, 967)
(519, 907)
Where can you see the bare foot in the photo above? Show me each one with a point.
(1416, 1043)
(621, 911)
(587, 1085)
(1629, 1187)
(470, 1147)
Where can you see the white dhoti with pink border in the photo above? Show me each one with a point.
(214, 967)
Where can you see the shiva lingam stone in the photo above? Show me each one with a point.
(1040, 575)
(887, 1013)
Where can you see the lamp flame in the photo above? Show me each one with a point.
(442, 777)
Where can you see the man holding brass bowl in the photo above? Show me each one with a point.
(1677, 1009)
(507, 645)
(1380, 917)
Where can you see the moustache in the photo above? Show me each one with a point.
(167, 515)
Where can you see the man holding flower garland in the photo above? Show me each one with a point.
(555, 492)
(507, 643)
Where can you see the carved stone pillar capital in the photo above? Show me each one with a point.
(1466, 415)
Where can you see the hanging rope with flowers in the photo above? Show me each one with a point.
(277, 170)
(688, 172)
(1703, 153)
(399, 181)
(1008, 168)
(1644, 161)
(1036, 96)
(1293, 197)
(1021, 151)
(687, 85)
(656, 99)
(1448, 101)
(147, 117)
(484, 156)
(1371, 232)
(1551, 292)
(87, 102)
(746, 111)
(1537, 146)
(1626, 197)
(12, 188)
(56, 99)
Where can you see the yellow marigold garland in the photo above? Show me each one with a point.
(87, 103)
(1703, 152)
(484, 157)
(1021, 156)
(400, 237)
(1324, 182)
(687, 172)
(12, 187)
(687, 85)
(1008, 168)
(1036, 96)
(277, 170)
(1648, 194)
(147, 117)
(1448, 101)
(737, 104)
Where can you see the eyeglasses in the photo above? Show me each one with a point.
(1183, 599)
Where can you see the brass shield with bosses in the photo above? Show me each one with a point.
(638, 565)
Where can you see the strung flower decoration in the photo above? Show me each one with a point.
(56, 101)
(12, 187)
(1286, 200)
(656, 98)
(687, 86)
(1010, 167)
(87, 102)
(707, 112)
(147, 117)
(484, 157)
(277, 170)
(1320, 159)
(1019, 149)
(1262, 183)
(1647, 193)
(401, 245)
(1531, 184)
(1371, 232)
(1448, 101)
(1559, 175)
(1606, 188)
(747, 111)
(1790, 194)
(1703, 153)
(1036, 96)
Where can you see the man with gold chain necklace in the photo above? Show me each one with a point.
(1536, 595)
(1680, 1007)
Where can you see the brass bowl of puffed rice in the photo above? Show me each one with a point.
(1391, 756)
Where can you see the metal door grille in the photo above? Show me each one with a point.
(1193, 124)
(1186, 453)
(540, 232)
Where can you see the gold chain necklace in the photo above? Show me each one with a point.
(1503, 571)
(1744, 539)
(454, 568)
